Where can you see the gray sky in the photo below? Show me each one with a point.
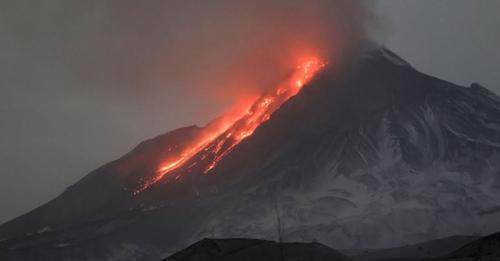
(456, 40)
(64, 111)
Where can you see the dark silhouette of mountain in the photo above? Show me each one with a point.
(252, 249)
(486, 248)
(451, 248)
(371, 155)
(426, 250)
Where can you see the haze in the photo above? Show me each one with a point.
(65, 111)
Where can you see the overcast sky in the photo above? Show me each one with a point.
(58, 123)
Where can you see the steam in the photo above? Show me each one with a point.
(226, 49)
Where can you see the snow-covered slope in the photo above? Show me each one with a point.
(409, 158)
(375, 155)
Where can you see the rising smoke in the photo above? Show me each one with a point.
(217, 49)
(224, 49)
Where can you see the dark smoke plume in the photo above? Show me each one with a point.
(222, 48)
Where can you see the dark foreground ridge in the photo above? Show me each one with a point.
(252, 249)
(485, 248)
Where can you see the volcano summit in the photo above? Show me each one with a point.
(374, 155)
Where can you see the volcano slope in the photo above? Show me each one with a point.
(375, 155)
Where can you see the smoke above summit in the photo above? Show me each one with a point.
(218, 50)
(224, 49)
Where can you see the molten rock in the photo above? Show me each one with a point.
(373, 155)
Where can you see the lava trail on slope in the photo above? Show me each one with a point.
(222, 136)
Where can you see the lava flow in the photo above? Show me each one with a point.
(221, 137)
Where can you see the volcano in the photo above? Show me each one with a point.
(372, 155)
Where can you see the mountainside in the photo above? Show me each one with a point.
(375, 155)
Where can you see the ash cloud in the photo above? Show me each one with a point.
(218, 49)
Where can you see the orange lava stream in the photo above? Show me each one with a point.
(222, 137)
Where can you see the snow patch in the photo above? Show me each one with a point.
(394, 58)
(44, 229)
(62, 245)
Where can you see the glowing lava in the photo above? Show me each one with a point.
(222, 136)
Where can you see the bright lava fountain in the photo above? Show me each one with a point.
(222, 136)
